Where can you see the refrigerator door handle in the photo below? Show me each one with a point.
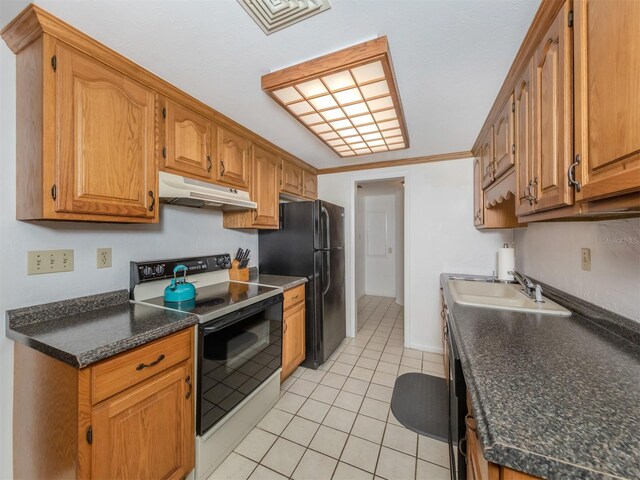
(326, 272)
(326, 230)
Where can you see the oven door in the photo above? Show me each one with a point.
(237, 352)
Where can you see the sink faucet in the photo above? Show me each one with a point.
(530, 289)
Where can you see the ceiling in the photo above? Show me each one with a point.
(450, 58)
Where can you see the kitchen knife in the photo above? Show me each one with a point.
(238, 254)
(246, 255)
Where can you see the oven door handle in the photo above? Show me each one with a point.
(239, 315)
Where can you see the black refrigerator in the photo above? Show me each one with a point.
(310, 243)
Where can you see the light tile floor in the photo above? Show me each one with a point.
(335, 422)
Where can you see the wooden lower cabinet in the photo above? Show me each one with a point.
(293, 330)
(144, 430)
(478, 467)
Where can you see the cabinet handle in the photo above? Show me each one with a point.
(284, 330)
(534, 191)
(571, 174)
(294, 298)
(153, 201)
(188, 382)
(470, 422)
(460, 449)
(209, 164)
(445, 331)
(527, 193)
(155, 362)
(221, 167)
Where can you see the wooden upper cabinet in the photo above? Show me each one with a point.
(553, 119)
(188, 141)
(105, 161)
(503, 143)
(486, 159)
(310, 182)
(478, 198)
(291, 178)
(147, 432)
(234, 157)
(264, 188)
(523, 139)
(607, 97)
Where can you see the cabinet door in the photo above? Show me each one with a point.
(523, 133)
(293, 341)
(486, 159)
(264, 188)
(291, 178)
(187, 141)
(607, 104)
(105, 137)
(310, 181)
(478, 197)
(553, 115)
(234, 154)
(147, 431)
(503, 139)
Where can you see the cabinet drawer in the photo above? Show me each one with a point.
(293, 296)
(123, 371)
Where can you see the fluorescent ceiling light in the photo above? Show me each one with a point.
(350, 94)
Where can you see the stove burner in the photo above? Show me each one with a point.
(212, 302)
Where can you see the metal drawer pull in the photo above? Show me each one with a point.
(285, 327)
(145, 365)
(293, 298)
(188, 382)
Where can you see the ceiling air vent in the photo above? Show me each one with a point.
(274, 15)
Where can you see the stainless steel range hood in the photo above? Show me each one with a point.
(186, 192)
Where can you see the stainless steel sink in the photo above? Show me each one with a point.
(501, 296)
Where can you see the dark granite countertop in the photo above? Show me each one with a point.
(85, 330)
(285, 282)
(556, 397)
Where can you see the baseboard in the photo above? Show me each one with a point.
(425, 348)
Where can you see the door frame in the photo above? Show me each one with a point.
(364, 176)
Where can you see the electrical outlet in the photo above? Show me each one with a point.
(586, 259)
(49, 261)
(103, 258)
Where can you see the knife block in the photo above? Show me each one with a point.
(238, 274)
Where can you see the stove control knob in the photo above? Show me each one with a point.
(226, 263)
(159, 269)
(147, 271)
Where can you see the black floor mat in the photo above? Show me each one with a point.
(419, 402)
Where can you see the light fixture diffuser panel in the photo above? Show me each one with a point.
(274, 15)
(350, 94)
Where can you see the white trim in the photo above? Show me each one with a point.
(363, 176)
(425, 348)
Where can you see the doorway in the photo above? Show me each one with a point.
(379, 254)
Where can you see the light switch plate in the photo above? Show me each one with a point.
(586, 259)
(103, 258)
(49, 261)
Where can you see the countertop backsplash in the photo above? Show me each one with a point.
(550, 252)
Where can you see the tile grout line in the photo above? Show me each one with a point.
(369, 334)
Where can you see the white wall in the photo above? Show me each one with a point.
(181, 232)
(380, 270)
(439, 237)
(550, 252)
